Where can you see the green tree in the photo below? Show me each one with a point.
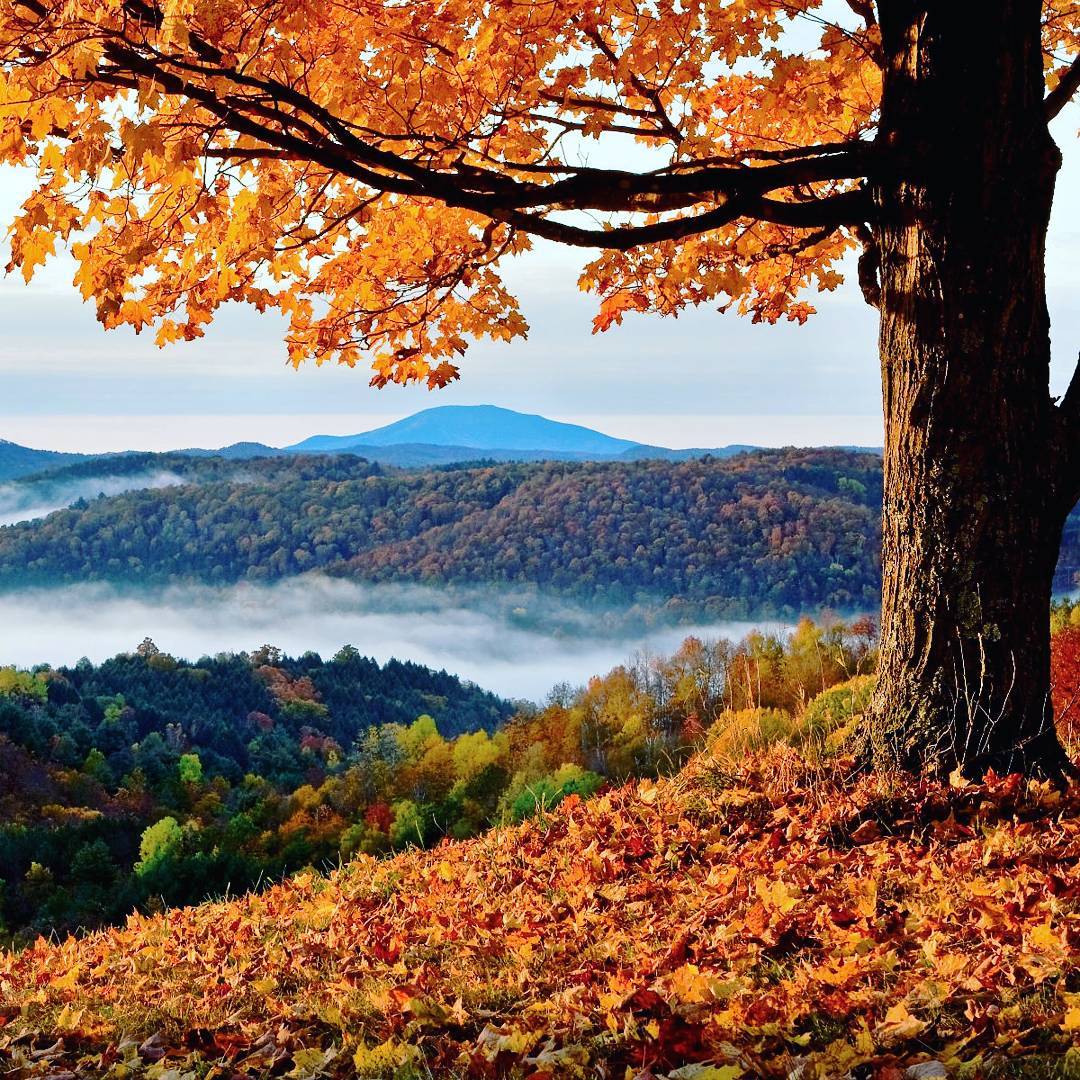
(160, 842)
(97, 767)
(189, 768)
(93, 864)
(22, 684)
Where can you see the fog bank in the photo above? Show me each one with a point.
(26, 500)
(517, 647)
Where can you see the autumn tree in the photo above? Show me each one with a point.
(366, 169)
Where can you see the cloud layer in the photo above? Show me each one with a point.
(27, 500)
(519, 647)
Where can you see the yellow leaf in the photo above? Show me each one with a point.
(52, 159)
(1043, 938)
(866, 893)
(310, 1063)
(776, 896)
(69, 1019)
(69, 980)
(175, 16)
(708, 1072)
(833, 974)
(386, 1057)
(899, 1024)
(864, 1041)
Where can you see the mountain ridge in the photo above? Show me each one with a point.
(760, 532)
(441, 435)
(480, 427)
(17, 461)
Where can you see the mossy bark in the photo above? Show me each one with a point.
(974, 496)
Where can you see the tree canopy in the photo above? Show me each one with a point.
(772, 532)
(367, 168)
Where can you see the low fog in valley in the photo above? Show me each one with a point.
(519, 647)
(31, 499)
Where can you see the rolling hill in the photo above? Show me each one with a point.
(767, 532)
(17, 461)
(92, 756)
(775, 531)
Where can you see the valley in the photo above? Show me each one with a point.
(516, 643)
(722, 723)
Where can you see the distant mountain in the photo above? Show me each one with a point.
(239, 450)
(476, 427)
(402, 455)
(444, 435)
(660, 453)
(427, 455)
(16, 461)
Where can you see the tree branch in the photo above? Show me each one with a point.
(1064, 92)
(287, 124)
(585, 189)
(1070, 403)
(869, 265)
(486, 191)
(865, 10)
(614, 190)
(848, 208)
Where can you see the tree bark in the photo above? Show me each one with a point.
(974, 496)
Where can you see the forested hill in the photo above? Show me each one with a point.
(217, 761)
(240, 712)
(16, 460)
(772, 530)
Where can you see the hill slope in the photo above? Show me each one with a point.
(776, 530)
(752, 922)
(482, 427)
(232, 748)
(16, 460)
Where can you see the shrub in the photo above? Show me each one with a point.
(833, 715)
(547, 792)
(743, 731)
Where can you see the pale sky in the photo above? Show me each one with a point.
(704, 379)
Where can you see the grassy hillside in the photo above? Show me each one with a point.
(738, 920)
(760, 912)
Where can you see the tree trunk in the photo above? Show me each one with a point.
(973, 504)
